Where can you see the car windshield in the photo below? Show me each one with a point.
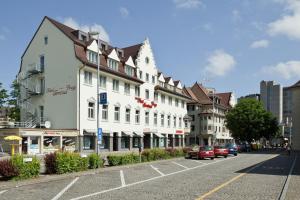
(206, 148)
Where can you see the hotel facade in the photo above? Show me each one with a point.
(58, 79)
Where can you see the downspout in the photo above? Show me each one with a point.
(79, 86)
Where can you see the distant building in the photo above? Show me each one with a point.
(250, 96)
(287, 110)
(296, 115)
(271, 97)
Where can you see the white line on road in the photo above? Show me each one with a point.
(147, 180)
(1, 192)
(162, 174)
(65, 189)
(122, 178)
(180, 165)
(199, 162)
(286, 185)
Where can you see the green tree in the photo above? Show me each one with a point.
(3, 96)
(14, 112)
(249, 120)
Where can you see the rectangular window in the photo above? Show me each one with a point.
(141, 75)
(174, 121)
(92, 57)
(113, 64)
(137, 116)
(126, 88)
(169, 120)
(137, 91)
(192, 128)
(102, 81)
(180, 122)
(153, 79)
(170, 101)
(193, 117)
(155, 96)
(88, 76)
(147, 77)
(117, 113)
(129, 70)
(127, 115)
(155, 119)
(115, 85)
(42, 113)
(209, 127)
(42, 85)
(162, 120)
(104, 112)
(163, 98)
(42, 63)
(182, 104)
(147, 117)
(176, 102)
(91, 110)
(147, 95)
(46, 40)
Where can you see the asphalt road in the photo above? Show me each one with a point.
(247, 176)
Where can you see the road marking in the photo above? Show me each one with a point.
(156, 169)
(65, 189)
(199, 162)
(180, 165)
(286, 184)
(147, 180)
(1, 192)
(231, 180)
(122, 178)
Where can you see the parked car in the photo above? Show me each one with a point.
(232, 149)
(245, 147)
(202, 152)
(220, 151)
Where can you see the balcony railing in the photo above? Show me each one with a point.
(35, 69)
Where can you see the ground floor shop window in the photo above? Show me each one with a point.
(162, 142)
(125, 142)
(51, 143)
(177, 140)
(88, 142)
(105, 142)
(69, 143)
(136, 142)
(34, 146)
(155, 141)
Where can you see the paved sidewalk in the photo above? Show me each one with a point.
(293, 192)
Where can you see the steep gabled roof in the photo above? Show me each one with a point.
(225, 98)
(201, 94)
(132, 51)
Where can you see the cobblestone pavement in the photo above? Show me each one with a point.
(246, 176)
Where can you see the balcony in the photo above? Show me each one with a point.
(35, 69)
(35, 89)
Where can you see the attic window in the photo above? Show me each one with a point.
(83, 37)
(46, 40)
(102, 47)
(147, 60)
(120, 53)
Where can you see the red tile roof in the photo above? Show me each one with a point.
(225, 98)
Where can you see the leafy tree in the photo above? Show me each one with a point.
(3, 96)
(249, 120)
(13, 101)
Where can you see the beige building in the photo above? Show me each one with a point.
(296, 115)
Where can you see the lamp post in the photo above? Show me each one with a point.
(94, 33)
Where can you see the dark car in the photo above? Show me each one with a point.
(232, 149)
(202, 152)
(220, 151)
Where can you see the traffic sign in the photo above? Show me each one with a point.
(103, 98)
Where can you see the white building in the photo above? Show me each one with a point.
(207, 110)
(58, 77)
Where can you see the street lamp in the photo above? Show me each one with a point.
(95, 33)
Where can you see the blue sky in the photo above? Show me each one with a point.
(231, 45)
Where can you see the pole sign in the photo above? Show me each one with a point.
(103, 98)
(99, 135)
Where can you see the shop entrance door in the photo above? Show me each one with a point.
(24, 145)
(115, 142)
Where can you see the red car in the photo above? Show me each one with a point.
(202, 152)
(221, 151)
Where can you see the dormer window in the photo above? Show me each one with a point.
(103, 47)
(92, 57)
(129, 70)
(113, 64)
(161, 84)
(147, 60)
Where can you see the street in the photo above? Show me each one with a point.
(246, 176)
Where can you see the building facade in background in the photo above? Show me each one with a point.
(58, 78)
(250, 96)
(207, 111)
(295, 89)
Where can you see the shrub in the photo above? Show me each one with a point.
(114, 160)
(94, 161)
(50, 163)
(186, 149)
(70, 162)
(26, 169)
(7, 169)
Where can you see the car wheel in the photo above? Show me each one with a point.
(225, 156)
(212, 158)
(235, 154)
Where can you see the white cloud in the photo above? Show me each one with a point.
(219, 63)
(2, 37)
(287, 70)
(124, 12)
(188, 4)
(289, 23)
(260, 44)
(87, 28)
(236, 16)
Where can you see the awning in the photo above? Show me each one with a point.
(136, 133)
(159, 135)
(127, 133)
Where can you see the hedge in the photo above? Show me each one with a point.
(25, 169)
